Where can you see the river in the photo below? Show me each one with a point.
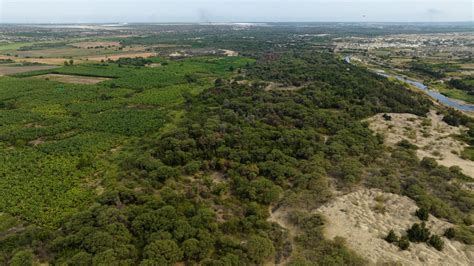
(456, 104)
(434, 94)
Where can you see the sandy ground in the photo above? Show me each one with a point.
(118, 56)
(72, 79)
(230, 52)
(10, 70)
(353, 217)
(48, 61)
(433, 137)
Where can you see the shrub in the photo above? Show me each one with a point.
(429, 163)
(465, 234)
(422, 214)
(407, 145)
(380, 208)
(403, 243)
(418, 233)
(192, 167)
(436, 242)
(387, 117)
(450, 233)
(391, 237)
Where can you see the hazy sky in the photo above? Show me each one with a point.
(75, 11)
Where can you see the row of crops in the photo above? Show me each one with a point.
(55, 136)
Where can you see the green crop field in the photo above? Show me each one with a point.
(60, 131)
(13, 46)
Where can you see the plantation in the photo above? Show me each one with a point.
(57, 131)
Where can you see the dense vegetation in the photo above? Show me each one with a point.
(433, 70)
(466, 84)
(183, 162)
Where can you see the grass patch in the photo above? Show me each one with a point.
(455, 93)
(468, 153)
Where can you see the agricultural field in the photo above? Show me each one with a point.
(72, 120)
(72, 78)
(17, 69)
(231, 145)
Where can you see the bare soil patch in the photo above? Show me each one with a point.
(274, 86)
(154, 65)
(10, 70)
(36, 142)
(433, 137)
(47, 61)
(229, 52)
(218, 177)
(118, 56)
(355, 218)
(72, 79)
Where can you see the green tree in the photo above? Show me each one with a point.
(266, 191)
(191, 249)
(166, 250)
(22, 258)
(422, 214)
(259, 249)
(154, 262)
(107, 257)
(81, 259)
(418, 233)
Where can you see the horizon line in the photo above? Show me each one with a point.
(235, 22)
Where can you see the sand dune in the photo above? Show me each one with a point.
(433, 137)
(353, 217)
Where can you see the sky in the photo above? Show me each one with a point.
(102, 11)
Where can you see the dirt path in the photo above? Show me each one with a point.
(278, 216)
(355, 217)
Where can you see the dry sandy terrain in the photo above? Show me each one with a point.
(86, 45)
(118, 56)
(353, 217)
(10, 70)
(49, 61)
(433, 137)
(230, 52)
(72, 79)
